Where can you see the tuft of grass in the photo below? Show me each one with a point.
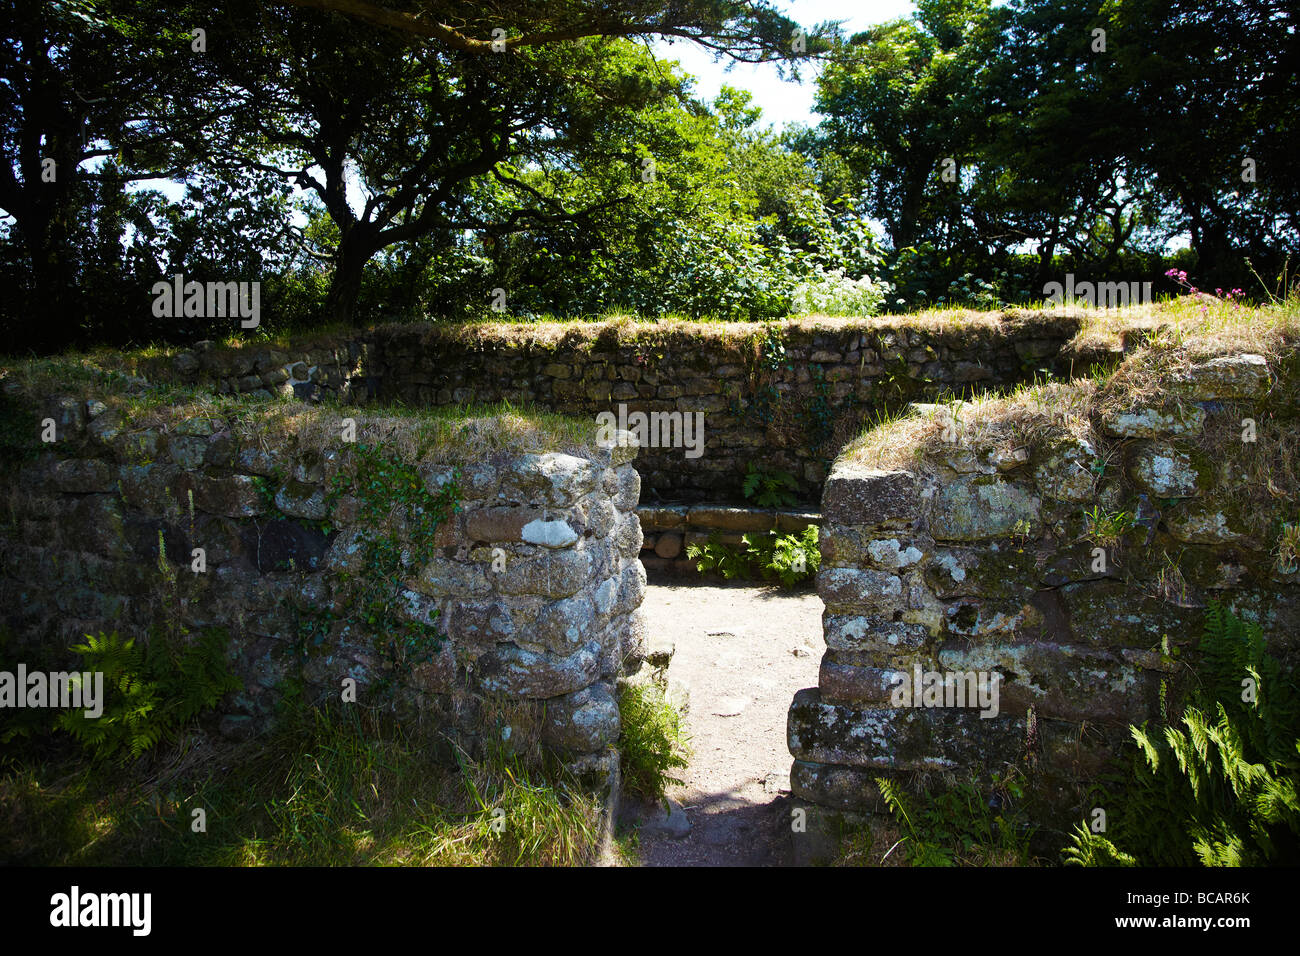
(966, 823)
(1106, 528)
(1286, 552)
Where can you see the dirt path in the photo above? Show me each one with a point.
(742, 651)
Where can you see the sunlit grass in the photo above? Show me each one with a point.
(339, 789)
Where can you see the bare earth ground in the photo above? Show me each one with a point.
(743, 652)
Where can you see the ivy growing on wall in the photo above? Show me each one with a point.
(397, 520)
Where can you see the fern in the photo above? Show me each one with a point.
(1218, 784)
(150, 692)
(794, 558)
(920, 850)
(1093, 849)
(769, 488)
(788, 558)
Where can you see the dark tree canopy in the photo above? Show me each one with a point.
(366, 160)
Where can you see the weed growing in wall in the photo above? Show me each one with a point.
(769, 487)
(1286, 550)
(398, 519)
(1107, 528)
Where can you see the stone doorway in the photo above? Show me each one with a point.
(739, 652)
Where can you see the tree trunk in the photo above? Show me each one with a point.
(53, 320)
(1046, 256)
(355, 250)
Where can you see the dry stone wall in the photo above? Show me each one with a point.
(786, 395)
(526, 598)
(308, 370)
(668, 530)
(983, 560)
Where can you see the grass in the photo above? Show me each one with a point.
(1107, 528)
(1203, 326)
(1286, 551)
(345, 787)
(1025, 416)
(444, 434)
(1037, 416)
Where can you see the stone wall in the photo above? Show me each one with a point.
(308, 369)
(669, 529)
(982, 556)
(527, 597)
(786, 394)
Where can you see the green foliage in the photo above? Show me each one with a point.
(1092, 849)
(769, 487)
(1217, 783)
(787, 558)
(770, 346)
(910, 129)
(1286, 550)
(713, 555)
(393, 503)
(652, 743)
(793, 558)
(150, 691)
(343, 785)
(961, 825)
(1106, 528)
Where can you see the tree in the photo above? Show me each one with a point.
(79, 81)
(416, 116)
(901, 114)
(1211, 84)
(744, 30)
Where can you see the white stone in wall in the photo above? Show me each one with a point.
(552, 534)
(888, 553)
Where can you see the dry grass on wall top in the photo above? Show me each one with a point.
(1092, 327)
(1205, 326)
(1092, 330)
(445, 435)
(448, 434)
(630, 331)
(1027, 417)
(1263, 475)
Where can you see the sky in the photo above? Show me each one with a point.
(783, 102)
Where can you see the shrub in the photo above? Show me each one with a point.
(769, 487)
(787, 558)
(835, 293)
